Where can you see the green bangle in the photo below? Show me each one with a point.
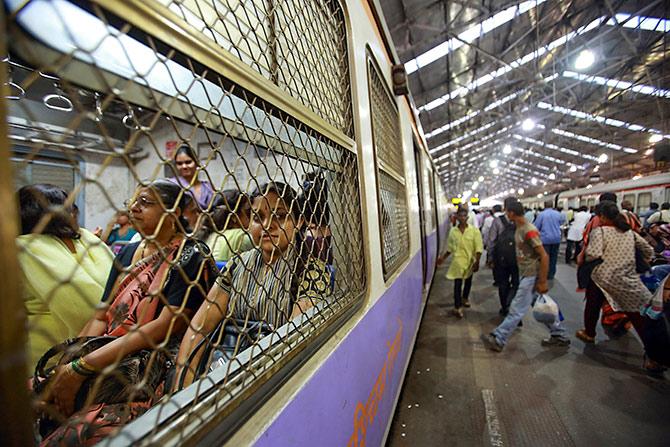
(76, 367)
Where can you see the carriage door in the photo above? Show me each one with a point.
(418, 162)
(424, 176)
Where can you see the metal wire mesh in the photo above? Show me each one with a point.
(393, 216)
(298, 45)
(105, 112)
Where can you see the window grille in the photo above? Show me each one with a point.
(393, 215)
(119, 104)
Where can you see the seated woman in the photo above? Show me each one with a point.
(64, 268)
(188, 167)
(157, 284)
(314, 203)
(122, 231)
(225, 231)
(272, 284)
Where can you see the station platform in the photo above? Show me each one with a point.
(458, 393)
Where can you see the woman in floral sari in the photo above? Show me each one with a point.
(154, 288)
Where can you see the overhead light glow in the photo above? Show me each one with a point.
(552, 176)
(641, 22)
(480, 179)
(616, 147)
(589, 186)
(637, 176)
(554, 147)
(596, 169)
(648, 152)
(539, 196)
(520, 191)
(603, 158)
(528, 125)
(533, 181)
(585, 59)
(493, 163)
(655, 138)
(507, 149)
(496, 171)
(470, 35)
(573, 168)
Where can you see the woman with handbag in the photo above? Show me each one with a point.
(616, 276)
(156, 285)
(260, 289)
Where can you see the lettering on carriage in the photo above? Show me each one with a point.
(364, 415)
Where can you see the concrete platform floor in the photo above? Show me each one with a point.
(457, 393)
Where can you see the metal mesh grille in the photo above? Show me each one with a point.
(298, 45)
(388, 153)
(385, 125)
(125, 110)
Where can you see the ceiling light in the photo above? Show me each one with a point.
(584, 60)
(493, 163)
(533, 181)
(480, 179)
(637, 176)
(655, 138)
(648, 152)
(520, 191)
(573, 168)
(496, 171)
(603, 158)
(528, 125)
(589, 186)
(539, 196)
(596, 169)
(507, 149)
(545, 193)
(477, 195)
(552, 176)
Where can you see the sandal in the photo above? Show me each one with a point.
(652, 367)
(583, 336)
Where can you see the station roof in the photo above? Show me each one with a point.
(513, 94)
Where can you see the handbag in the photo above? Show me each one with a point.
(545, 310)
(131, 380)
(585, 270)
(641, 265)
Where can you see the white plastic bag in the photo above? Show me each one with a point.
(545, 310)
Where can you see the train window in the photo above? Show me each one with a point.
(591, 202)
(392, 198)
(643, 202)
(630, 198)
(429, 194)
(245, 257)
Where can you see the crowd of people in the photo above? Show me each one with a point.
(623, 262)
(195, 273)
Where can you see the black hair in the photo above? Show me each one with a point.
(515, 208)
(548, 204)
(313, 200)
(186, 150)
(462, 209)
(224, 204)
(173, 196)
(583, 208)
(653, 206)
(665, 206)
(508, 200)
(43, 200)
(607, 196)
(609, 210)
(497, 208)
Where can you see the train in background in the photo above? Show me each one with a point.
(641, 192)
(338, 381)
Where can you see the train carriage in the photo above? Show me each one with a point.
(99, 97)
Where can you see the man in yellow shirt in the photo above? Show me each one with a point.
(465, 242)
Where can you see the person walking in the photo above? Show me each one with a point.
(533, 264)
(576, 233)
(502, 256)
(662, 216)
(548, 223)
(465, 242)
(616, 278)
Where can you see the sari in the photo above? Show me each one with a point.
(138, 298)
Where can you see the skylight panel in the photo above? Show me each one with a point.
(619, 84)
(554, 147)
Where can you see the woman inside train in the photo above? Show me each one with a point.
(314, 203)
(121, 232)
(187, 168)
(259, 290)
(225, 229)
(64, 267)
(153, 289)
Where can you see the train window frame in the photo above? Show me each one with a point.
(387, 172)
(631, 197)
(643, 197)
(298, 347)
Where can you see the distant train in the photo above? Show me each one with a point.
(640, 192)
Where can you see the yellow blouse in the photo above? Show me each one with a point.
(463, 247)
(61, 289)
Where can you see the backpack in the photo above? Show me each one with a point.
(504, 250)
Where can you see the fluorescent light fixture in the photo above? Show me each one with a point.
(648, 152)
(596, 169)
(507, 149)
(554, 147)
(533, 181)
(464, 136)
(496, 171)
(584, 59)
(552, 176)
(539, 196)
(469, 145)
(520, 191)
(619, 84)
(589, 186)
(603, 158)
(528, 125)
(493, 163)
(655, 138)
(470, 35)
(573, 168)
(637, 176)
(565, 133)
(480, 179)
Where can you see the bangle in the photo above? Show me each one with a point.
(76, 367)
(87, 366)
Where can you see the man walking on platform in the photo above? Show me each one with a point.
(502, 256)
(533, 264)
(548, 223)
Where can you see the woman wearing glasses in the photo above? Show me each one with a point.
(154, 288)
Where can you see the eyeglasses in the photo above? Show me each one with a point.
(141, 201)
